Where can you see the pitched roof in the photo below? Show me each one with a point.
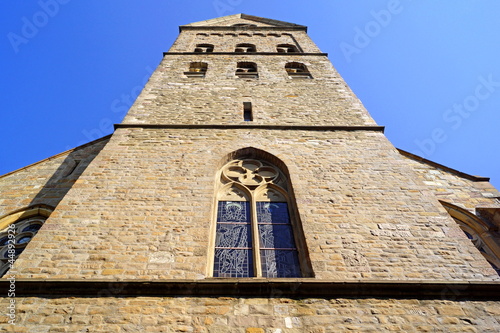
(230, 20)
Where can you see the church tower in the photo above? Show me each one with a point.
(249, 190)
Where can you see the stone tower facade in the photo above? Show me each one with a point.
(248, 190)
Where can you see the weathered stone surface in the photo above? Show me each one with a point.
(362, 315)
(122, 210)
(141, 205)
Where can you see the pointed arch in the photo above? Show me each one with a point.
(260, 233)
(233, 192)
(481, 234)
(17, 229)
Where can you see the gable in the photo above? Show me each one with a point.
(231, 20)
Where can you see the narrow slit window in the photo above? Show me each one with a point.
(247, 111)
(73, 168)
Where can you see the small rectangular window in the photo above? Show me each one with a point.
(247, 111)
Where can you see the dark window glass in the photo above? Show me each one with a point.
(280, 263)
(233, 263)
(32, 228)
(233, 241)
(272, 212)
(233, 211)
(16, 253)
(278, 252)
(247, 111)
(24, 239)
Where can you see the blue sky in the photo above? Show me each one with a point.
(427, 70)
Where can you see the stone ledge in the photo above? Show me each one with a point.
(239, 29)
(293, 288)
(443, 167)
(247, 53)
(268, 127)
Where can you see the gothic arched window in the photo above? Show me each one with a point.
(16, 231)
(256, 233)
(481, 234)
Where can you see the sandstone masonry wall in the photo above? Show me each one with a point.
(255, 315)
(455, 189)
(144, 207)
(47, 181)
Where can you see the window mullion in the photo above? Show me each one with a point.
(255, 238)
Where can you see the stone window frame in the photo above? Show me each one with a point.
(229, 190)
(485, 237)
(247, 69)
(245, 48)
(204, 48)
(197, 69)
(287, 48)
(297, 70)
(21, 219)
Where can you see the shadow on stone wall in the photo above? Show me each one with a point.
(68, 172)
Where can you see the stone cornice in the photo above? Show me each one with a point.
(242, 29)
(253, 126)
(246, 53)
(443, 167)
(253, 287)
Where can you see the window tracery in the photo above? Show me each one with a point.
(14, 239)
(479, 232)
(254, 227)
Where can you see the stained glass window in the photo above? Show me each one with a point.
(233, 241)
(277, 245)
(13, 240)
(254, 233)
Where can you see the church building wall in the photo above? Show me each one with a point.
(130, 243)
(252, 315)
(47, 181)
(145, 206)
